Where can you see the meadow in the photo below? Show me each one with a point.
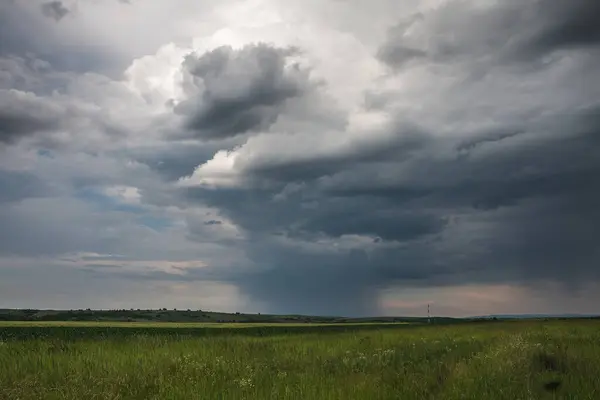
(488, 360)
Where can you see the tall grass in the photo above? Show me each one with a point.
(518, 360)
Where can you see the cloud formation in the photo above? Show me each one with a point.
(54, 9)
(23, 113)
(497, 32)
(305, 164)
(231, 92)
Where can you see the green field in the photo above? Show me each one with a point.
(487, 360)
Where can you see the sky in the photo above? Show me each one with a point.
(327, 157)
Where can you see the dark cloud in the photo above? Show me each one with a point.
(237, 91)
(507, 31)
(23, 114)
(54, 9)
(402, 141)
(385, 221)
(508, 205)
(335, 284)
(469, 144)
(35, 98)
(564, 25)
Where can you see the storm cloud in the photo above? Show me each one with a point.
(500, 32)
(237, 91)
(23, 113)
(302, 163)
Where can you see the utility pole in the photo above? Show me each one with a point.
(428, 315)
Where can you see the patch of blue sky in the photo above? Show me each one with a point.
(103, 202)
(107, 203)
(154, 222)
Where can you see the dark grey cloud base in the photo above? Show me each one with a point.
(536, 226)
(23, 114)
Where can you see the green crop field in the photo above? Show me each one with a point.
(494, 360)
